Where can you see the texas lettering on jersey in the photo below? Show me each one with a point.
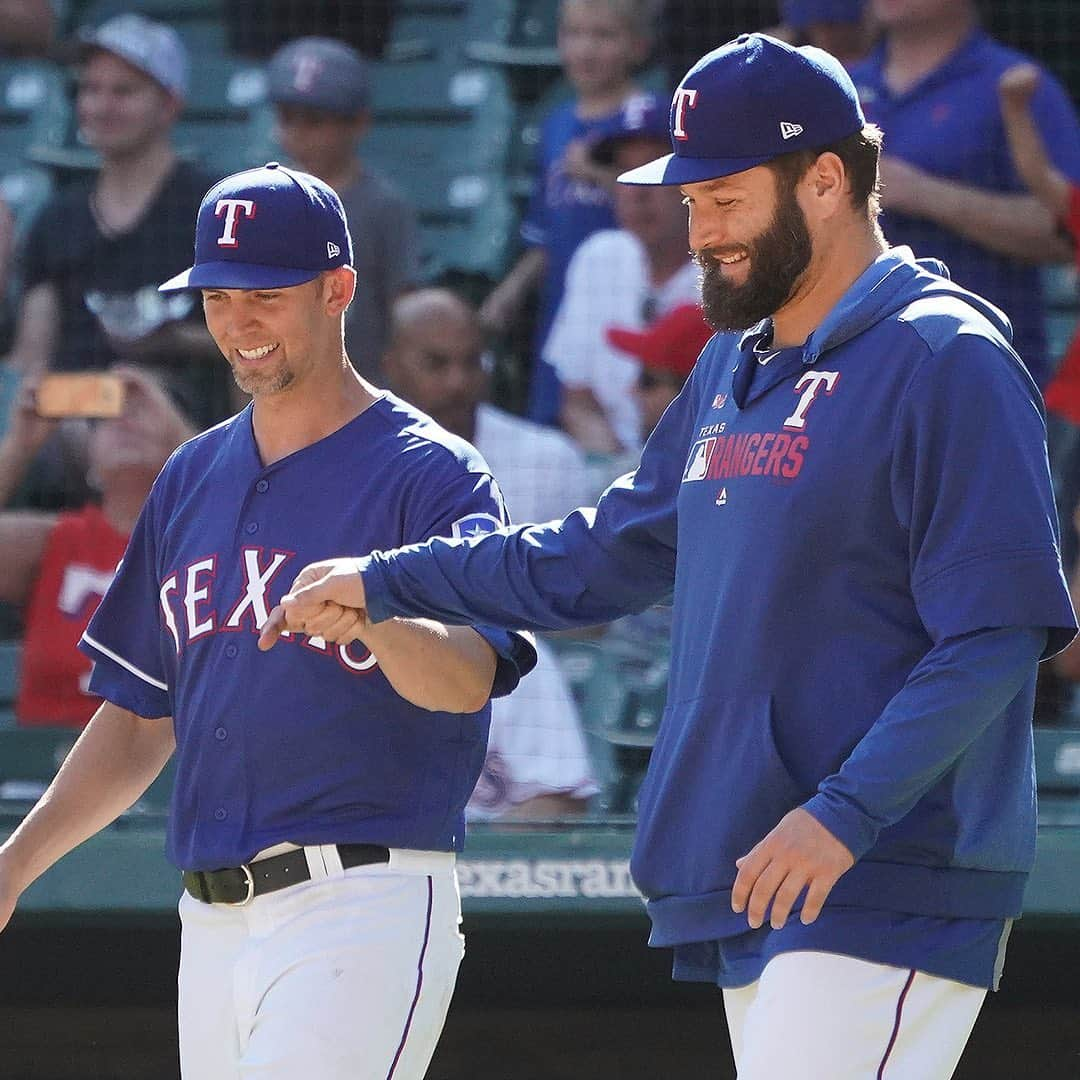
(193, 609)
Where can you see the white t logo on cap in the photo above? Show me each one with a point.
(332, 250)
(684, 99)
(789, 131)
(231, 208)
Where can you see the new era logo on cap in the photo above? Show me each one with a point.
(789, 131)
(266, 229)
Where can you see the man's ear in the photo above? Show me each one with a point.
(826, 185)
(338, 288)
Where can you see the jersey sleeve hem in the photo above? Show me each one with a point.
(121, 682)
(996, 590)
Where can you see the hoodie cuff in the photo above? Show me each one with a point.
(854, 829)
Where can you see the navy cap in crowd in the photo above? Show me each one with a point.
(266, 228)
(643, 116)
(804, 13)
(748, 102)
(151, 47)
(320, 73)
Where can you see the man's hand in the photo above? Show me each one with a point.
(326, 600)
(800, 853)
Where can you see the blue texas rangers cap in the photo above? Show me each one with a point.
(748, 102)
(266, 228)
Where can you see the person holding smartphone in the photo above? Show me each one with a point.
(57, 566)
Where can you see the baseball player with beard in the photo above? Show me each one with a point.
(320, 790)
(851, 503)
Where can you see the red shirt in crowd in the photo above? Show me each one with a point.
(77, 566)
(1063, 393)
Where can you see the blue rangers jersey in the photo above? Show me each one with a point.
(307, 743)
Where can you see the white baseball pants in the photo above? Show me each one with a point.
(346, 977)
(821, 1016)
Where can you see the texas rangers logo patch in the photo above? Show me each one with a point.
(473, 525)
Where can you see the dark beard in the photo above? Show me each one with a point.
(778, 257)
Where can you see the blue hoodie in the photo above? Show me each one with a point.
(835, 526)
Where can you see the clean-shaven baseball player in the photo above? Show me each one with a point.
(851, 503)
(319, 789)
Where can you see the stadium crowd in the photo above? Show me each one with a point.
(555, 357)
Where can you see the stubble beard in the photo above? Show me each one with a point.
(259, 384)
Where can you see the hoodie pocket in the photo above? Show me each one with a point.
(716, 785)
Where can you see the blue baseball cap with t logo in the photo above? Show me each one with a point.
(748, 102)
(266, 228)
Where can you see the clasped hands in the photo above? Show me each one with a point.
(326, 600)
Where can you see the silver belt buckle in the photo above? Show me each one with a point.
(250, 881)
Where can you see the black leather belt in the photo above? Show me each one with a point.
(238, 885)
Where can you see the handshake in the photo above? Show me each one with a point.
(326, 600)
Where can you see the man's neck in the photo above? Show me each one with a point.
(912, 53)
(603, 102)
(142, 169)
(825, 281)
(123, 499)
(126, 185)
(305, 414)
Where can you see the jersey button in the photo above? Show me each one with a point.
(251, 527)
(231, 651)
(262, 485)
(220, 734)
(220, 814)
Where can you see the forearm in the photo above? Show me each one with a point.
(572, 573)
(441, 668)
(953, 694)
(1018, 226)
(113, 762)
(1033, 163)
(584, 421)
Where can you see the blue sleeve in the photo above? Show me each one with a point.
(953, 694)
(971, 485)
(1056, 119)
(125, 638)
(470, 504)
(591, 567)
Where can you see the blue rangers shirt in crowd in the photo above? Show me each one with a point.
(308, 743)
(949, 124)
(861, 540)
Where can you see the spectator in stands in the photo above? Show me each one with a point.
(666, 351)
(950, 188)
(536, 765)
(56, 567)
(601, 43)
(27, 27)
(1060, 195)
(259, 27)
(620, 277)
(321, 91)
(96, 252)
(839, 27)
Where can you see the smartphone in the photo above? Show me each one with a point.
(91, 394)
